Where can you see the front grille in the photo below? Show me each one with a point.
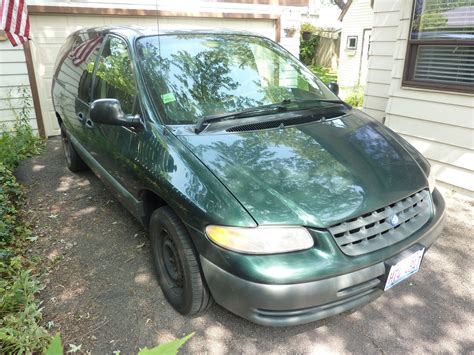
(379, 229)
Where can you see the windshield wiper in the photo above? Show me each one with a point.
(262, 110)
(320, 100)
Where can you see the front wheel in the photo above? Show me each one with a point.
(177, 264)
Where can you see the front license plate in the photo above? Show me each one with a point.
(404, 265)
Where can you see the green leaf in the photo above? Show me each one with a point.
(170, 348)
(55, 347)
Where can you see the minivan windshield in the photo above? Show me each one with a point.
(193, 76)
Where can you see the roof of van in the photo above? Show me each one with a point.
(136, 31)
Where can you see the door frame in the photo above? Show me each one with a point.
(362, 52)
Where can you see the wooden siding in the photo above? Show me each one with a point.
(358, 17)
(439, 124)
(384, 36)
(13, 75)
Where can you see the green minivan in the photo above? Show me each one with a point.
(261, 190)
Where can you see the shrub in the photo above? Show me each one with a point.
(20, 331)
(20, 312)
(307, 27)
(356, 98)
(19, 142)
(10, 197)
(308, 46)
(17, 145)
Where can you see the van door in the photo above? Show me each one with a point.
(115, 147)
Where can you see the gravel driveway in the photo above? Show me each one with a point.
(101, 291)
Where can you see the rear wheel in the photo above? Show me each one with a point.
(73, 160)
(177, 264)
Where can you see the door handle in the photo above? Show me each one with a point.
(89, 124)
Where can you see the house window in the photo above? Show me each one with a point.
(440, 51)
(351, 42)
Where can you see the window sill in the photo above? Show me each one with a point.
(437, 88)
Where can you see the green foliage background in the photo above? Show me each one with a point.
(308, 47)
(307, 52)
(20, 311)
(356, 98)
(325, 74)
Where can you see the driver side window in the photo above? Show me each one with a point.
(114, 76)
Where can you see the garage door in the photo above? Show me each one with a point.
(49, 32)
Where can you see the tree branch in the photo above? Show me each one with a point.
(340, 3)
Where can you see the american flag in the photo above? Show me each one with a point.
(14, 21)
(82, 52)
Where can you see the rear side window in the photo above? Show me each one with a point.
(77, 67)
(114, 75)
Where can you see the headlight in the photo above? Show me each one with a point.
(431, 181)
(260, 240)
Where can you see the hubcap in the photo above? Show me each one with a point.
(172, 263)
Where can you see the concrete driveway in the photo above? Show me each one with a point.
(101, 291)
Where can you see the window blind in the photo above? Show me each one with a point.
(447, 64)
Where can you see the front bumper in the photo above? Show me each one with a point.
(292, 304)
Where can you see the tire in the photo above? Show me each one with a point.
(73, 160)
(177, 264)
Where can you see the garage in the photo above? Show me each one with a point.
(51, 25)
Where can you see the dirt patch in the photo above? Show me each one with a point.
(101, 290)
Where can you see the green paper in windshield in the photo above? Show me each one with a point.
(167, 98)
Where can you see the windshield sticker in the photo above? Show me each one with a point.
(167, 98)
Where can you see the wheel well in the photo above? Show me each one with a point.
(151, 202)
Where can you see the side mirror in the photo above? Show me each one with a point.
(109, 111)
(334, 88)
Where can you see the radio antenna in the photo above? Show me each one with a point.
(157, 17)
(158, 26)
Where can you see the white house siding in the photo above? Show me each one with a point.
(439, 124)
(291, 18)
(382, 46)
(13, 75)
(358, 17)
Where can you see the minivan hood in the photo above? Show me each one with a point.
(315, 174)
